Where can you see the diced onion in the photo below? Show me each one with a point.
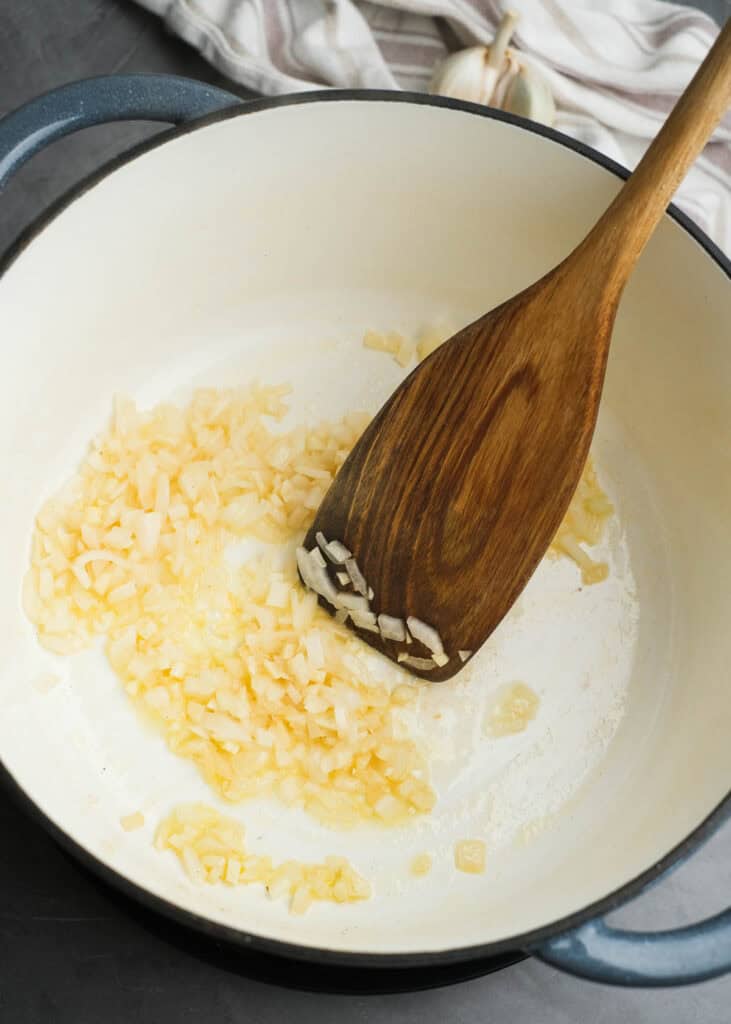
(337, 552)
(392, 628)
(421, 664)
(212, 848)
(469, 856)
(356, 577)
(249, 680)
(79, 564)
(365, 620)
(131, 822)
(316, 557)
(421, 865)
(353, 602)
(379, 342)
(316, 577)
(148, 531)
(425, 634)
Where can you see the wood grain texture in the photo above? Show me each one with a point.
(456, 489)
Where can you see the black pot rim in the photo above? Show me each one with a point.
(527, 941)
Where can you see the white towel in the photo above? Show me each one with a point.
(615, 66)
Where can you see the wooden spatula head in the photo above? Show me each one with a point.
(452, 495)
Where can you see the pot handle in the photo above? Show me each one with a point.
(93, 101)
(616, 956)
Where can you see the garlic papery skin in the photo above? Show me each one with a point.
(496, 76)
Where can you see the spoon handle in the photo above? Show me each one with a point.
(621, 234)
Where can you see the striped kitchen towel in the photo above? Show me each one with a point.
(615, 66)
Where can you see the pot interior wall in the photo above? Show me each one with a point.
(264, 245)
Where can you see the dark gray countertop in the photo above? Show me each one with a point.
(74, 952)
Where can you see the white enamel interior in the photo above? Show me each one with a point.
(263, 246)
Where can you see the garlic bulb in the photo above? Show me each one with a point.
(529, 95)
(496, 76)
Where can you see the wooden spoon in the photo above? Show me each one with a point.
(454, 492)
